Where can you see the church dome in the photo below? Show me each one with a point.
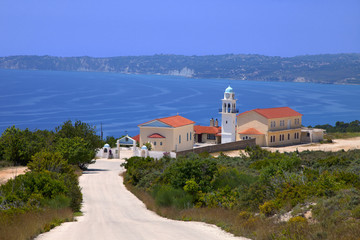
(229, 90)
(144, 147)
(106, 146)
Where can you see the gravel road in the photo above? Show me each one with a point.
(112, 212)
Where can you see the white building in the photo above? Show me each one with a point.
(228, 116)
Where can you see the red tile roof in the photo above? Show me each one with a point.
(251, 131)
(136, 138)
(176, 121)
(279, 112)
(156, 135)
(173, 121)
(206, 129)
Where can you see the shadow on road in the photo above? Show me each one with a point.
(95, 170)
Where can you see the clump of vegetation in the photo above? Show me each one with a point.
(249, 192)
(49, 193)
(340, 130)
(342, 127)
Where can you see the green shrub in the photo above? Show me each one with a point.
(191, 187)
(76, 151)
(50, 161)
(184, 169)
(356, 212)
(268, 208)
(232, 178)
(34, 188)
(245, 215)
(59, 201)
(223, 197)
(148, 146)
(139, 168)
(167, 196)
(332, 161)
(297, 219)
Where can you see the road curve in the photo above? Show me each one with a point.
(110, 211)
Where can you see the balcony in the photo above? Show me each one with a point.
(232, 111)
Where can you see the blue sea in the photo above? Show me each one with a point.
(45, 99)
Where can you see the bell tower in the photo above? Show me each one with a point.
(228, 116)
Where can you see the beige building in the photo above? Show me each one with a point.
(169, 134)
(310, 135)
(208, 134)
(270, 126)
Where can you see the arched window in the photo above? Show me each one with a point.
(228, 107)
(105, 150)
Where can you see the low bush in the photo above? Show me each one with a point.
(49, 161)
(232, 178)
(167, 196)
(256, 186)
(33, 189)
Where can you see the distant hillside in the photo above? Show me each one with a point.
(327, 68)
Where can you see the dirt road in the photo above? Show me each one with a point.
(10, 172)
(337, 145)
(112, 212)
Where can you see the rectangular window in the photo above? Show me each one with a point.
(282, 123)
(154, 143)
(190, 135)
(160, 143)
(281, 137)
(296, 135)
(187, 136)
(273, 124)
(211, 136)
(288, 136)
(179, 138)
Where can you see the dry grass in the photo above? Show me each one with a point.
(27, 225)
(339, 135)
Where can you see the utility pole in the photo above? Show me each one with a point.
(101, 132)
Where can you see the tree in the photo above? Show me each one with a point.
(76, 151)
(81, 130)
(19, 145)
(49, 161)
(111, 141)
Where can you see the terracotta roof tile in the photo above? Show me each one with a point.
(251, 131)
(279, 112)
(176, 121)
(206, 129)
(173, 121)
(156, 135)
(136, 138)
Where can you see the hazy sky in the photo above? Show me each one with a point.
(189, 27)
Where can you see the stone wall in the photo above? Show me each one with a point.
(221, 147)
